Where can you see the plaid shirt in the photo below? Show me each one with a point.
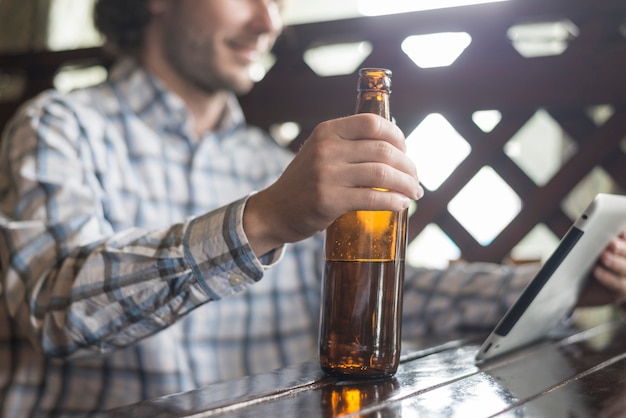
(120, 225)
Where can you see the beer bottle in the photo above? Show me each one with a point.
(361, 311)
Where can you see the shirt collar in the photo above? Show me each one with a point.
(144, 94)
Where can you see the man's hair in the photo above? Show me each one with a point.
(122, 23)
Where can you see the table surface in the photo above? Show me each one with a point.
(577, 373)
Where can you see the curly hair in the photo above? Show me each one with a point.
(122, 23)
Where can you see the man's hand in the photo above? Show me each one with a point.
(608, 282)
(341, 167)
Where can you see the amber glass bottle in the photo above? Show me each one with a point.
(364, 273)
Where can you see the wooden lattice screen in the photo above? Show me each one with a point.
(490, 74)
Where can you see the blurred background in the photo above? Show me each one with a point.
(513, 109)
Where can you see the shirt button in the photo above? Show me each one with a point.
(236, 280)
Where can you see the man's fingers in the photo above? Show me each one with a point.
(611, 280)
(370, 126)
(372, 199)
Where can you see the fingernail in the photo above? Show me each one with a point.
(419, 193)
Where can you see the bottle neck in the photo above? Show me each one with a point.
(373, 101)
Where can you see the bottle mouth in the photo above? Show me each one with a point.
(374, 79)
(385, 71)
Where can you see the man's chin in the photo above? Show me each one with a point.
(238, 82)
(242, 86)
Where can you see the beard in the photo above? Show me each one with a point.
(197, 60)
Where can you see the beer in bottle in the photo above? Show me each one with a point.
(364, 273)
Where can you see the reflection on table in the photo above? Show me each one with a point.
(577, 373)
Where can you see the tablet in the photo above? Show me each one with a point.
(553, 292)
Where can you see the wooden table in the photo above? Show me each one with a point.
(575, 374)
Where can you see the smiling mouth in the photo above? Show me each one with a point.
(246, 52)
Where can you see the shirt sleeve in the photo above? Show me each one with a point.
(74, 286)
(466, 297)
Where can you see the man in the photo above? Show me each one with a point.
(134, 207)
